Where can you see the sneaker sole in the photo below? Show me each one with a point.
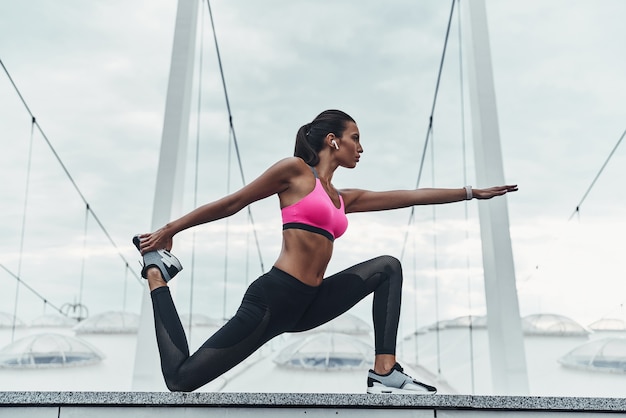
(384, 390)
(169, 265)
(137, 242)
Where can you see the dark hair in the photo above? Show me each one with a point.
(310, 137)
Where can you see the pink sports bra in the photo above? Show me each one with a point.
(317, 213)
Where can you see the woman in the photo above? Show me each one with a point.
(294, 295)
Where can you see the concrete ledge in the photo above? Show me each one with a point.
(310, 400)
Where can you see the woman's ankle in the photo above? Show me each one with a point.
(383, 363)
(155, 278)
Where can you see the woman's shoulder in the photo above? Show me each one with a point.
(287, 171)
(294, 165)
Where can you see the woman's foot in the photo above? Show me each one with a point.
(396, 381)
(168, 265)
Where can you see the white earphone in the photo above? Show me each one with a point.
(335, 144)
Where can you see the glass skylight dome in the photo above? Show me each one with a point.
(326, 351)
(48, 351)
(53, 321)
(345, 324)
(109, 323)
(551, 324)
(608, 324)
(6, 321)
(200, 320)
(477, 321)
(604, 355)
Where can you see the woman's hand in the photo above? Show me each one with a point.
(493, 191)
(157, 240)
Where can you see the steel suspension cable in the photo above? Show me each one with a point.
(430, 121)
(84, 260)
(196, 171)
(429, 136)
(577, 210)
(125, 291)
(466, 203)
(435, 259)
(415, 313)
(33, 291)
(232, 129)
(227, 231)
(66, 171)
(23, 230)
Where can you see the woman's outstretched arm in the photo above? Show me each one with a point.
(274, 180)
(357, 200)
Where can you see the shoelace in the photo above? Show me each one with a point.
(401, 370)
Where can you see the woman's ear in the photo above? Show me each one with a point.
(332, 140)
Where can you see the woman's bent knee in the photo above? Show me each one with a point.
(391, 264)
(181, 383)
(178, 385)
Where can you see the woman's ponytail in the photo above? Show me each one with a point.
(303, 147)
(310, 137)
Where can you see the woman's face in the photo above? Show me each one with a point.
(350, 148)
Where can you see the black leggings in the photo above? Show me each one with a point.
(273, 304)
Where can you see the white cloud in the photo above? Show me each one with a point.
(95, 76)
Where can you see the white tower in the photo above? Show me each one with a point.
(170, 178)
(506, 344)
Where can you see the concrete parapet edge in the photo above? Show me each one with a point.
(312, 400)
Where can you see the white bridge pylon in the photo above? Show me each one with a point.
(506, 344)
(508, 361)
(168, 194)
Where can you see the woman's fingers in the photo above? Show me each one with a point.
(154, 241)
(494, 191)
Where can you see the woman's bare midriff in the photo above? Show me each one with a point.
(305, 255)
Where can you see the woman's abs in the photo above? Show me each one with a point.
(305, 255)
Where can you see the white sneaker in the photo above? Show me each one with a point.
(396, 381)
(161, 259)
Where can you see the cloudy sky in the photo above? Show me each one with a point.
(94, 74)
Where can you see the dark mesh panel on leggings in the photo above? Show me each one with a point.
(170, 334)
(186, 373)
(341, 291)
